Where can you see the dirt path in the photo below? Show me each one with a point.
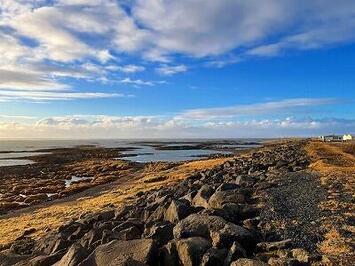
(316, 207)
(292, 209)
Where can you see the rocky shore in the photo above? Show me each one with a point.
(219, 216)
(46, 180)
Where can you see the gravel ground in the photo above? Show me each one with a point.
(292, 210)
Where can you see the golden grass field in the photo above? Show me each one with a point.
(335, 164)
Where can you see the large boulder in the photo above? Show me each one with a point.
(74, 256)
(178, 210)
(235, 252)
(156, 216)
(92, 238)
(117, 253)
(210, 226)
(168, 254)
(191, 250)
(161, 232)
(44, 260)
(7, 258)
(214, 256)
(244, 180)
(202, 196)
(219, 198)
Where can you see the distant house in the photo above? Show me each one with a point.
(348, 137)
(330, 138)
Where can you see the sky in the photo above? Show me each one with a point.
(176, 69)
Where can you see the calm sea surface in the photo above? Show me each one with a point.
(11, 151)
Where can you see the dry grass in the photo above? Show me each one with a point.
(334, 243)
(335, 162)
(52, 216)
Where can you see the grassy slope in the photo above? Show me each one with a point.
(335, 162)
(54, 214)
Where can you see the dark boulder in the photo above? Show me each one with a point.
(205, 226)
(74, 256)
(23, 246)
(178, 210)
(235, 252)
(161, 232)
(117, 253)
(219, 198)
(191, 250)
(45, 260)
(202, 196)
(214, 256)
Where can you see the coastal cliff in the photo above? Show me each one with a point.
(268, 206)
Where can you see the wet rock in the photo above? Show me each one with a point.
(74, 256)
(119, 252)
(178, 210)
(228, 196)
(191, 250)
(247, 262)
(202, 196)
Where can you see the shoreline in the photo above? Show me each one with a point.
(275, 193)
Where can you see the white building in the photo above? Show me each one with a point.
(330, 138)
(348, 137)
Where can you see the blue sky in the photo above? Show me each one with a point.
(121, 69)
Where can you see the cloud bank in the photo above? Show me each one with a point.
(208, 123)
(98, 126)
(45, 43)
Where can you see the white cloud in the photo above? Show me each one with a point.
(99, 126)
(130, 68)
(81, 31)
(27, 80)
(137, 82)
(171, 70)
(257, 108)
(217, 27)
(40, 96)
